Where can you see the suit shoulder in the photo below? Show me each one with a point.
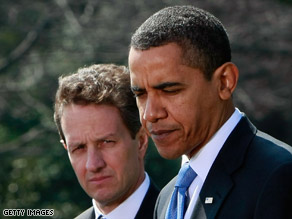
(272, 148)
(87, 214)
(263, 137)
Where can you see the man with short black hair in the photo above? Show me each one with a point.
(183, 79)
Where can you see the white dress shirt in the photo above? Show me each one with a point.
(129, 208)
(202, 161)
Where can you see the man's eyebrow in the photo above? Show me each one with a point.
(166, 85)
(99, 138)
(158, 87)
(72, 145)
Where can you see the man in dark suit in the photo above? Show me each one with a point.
(98, 122)
(183, 79)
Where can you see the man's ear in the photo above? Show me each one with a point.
(64, 144)
(143, 142)
(226, 76)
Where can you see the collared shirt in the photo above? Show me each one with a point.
(202, 161)
(129, 208)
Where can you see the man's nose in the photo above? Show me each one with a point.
(154, 109)
(95, 160)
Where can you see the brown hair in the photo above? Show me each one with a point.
(98, 84)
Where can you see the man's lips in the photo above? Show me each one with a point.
(98, 179)
(161, 134)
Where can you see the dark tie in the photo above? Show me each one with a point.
(184, 179)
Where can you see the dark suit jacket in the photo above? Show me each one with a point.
(250, 178)
(145, 211)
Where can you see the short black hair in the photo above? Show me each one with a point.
(201, 36)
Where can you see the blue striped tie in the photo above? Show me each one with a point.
(184, 179)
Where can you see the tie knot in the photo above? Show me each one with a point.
(185, 176)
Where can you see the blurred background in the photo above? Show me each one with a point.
(42, 40)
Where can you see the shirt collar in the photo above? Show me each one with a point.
(202, 161)
(130, 206)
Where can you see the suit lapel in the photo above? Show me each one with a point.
(219, 180)
(147, 207)
(164, 199)
(217, 191)
(88, 214)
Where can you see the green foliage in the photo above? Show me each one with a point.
(286, 1)
(42, 180)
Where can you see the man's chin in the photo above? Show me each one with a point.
(168, 154)
(101, 199)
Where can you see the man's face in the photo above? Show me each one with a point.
(107, 161)
(176, 103)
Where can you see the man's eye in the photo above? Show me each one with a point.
(79, 147)
(138, 94)
(171, 91)
(107, 143)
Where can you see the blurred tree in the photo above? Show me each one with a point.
(41, 40)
